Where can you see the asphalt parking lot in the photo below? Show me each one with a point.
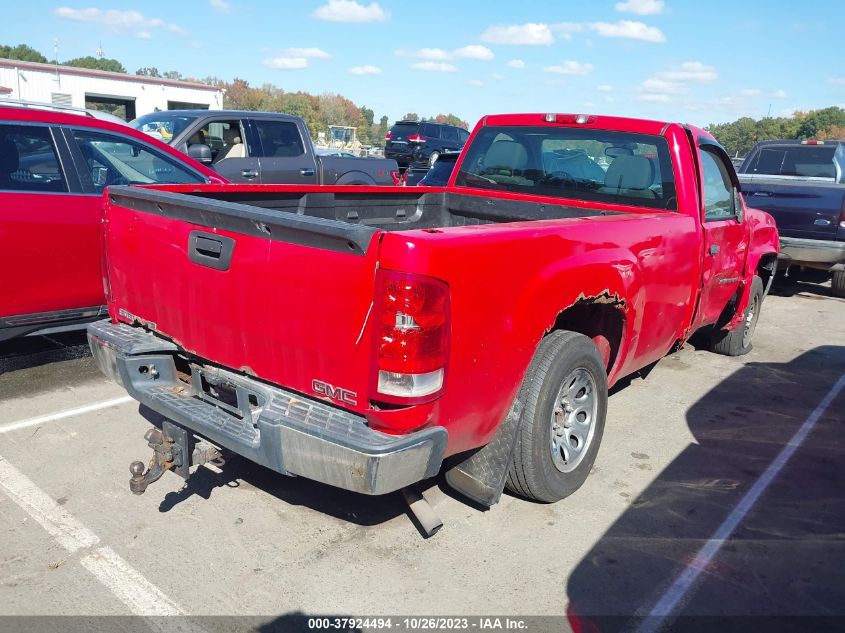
(719, 490)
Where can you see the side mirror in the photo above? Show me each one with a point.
(200, 153)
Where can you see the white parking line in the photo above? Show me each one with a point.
(139, 595)
(683, 584)
(52, 417)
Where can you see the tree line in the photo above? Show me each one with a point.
(739, 136)
(318, 111)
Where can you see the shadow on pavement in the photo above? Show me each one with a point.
(783, 568)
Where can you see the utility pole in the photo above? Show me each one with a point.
(56, 60)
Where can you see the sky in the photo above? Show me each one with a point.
(697, 62)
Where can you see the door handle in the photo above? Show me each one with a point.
(307, 171)
(249, 173)
(714, 249)
(210, 250)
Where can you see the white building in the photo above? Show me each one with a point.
(80, 87)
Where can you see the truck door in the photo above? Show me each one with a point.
(724, 228)
(285, 157)
(233, 156)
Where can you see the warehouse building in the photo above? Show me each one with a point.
(127, 96)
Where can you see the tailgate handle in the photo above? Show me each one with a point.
(210, 250)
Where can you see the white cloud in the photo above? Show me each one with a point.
(837, 81)
(365, 70)
(311, 53)
(662, 86)
(433, 53)
(605, 88)
(497, 76)
(435, 67)
(589, 104)
(475, 82)
(474, 51)
(115, 20)
(641, 7)
(779, 94)
(516, 63)
(570, 68)
(750, 92)
(530, 34)
(629, 29)
(287, 63)
(609, 99)
(690, 71)
(566, 29)
(220, 5)
(350, 11)
(658, 98)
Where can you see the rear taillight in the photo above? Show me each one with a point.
(397, 177)
(416, 138)
(412, 325)
(812, 142)
(387, 136)
(842, 215)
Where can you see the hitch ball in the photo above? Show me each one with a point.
(137, 483)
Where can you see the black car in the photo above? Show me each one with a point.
(422, 142)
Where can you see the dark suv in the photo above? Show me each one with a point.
(422, 142)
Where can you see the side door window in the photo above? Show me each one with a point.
(463, 136)
(116, 160)
(283, 156)
(28, 160)
(450, 137)
(717, 188)
(225, 138)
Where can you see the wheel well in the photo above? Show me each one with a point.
(766, 267)
(592, 320)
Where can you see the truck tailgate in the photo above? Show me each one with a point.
(277, 295)
(801, 207)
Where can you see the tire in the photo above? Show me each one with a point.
(837, 284)
(541, 469)
(738, 342)
(433, 159)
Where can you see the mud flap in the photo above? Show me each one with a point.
(481, 477)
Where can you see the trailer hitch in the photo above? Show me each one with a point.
(171, 451)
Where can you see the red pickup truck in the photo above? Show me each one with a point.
(368, 337)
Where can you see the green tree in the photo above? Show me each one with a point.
(411, 116)
(96, 63)
(383, 127)
(817, 121)
(173, 75)
(148, 72)
(22, 52)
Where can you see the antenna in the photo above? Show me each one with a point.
(100, 52)
(56, 60)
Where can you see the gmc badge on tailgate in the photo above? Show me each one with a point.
(335, 393)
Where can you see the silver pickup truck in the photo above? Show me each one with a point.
(261, 148)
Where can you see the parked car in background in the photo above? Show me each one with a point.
(358, 338)
(435, 176)
(262, 147)
(802, 185)
(422, 142)
(54, 167)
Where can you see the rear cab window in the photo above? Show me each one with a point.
(809, 161)
(576, 163)
(28, 160)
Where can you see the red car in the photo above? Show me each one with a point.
(54, 166)
(362, 336)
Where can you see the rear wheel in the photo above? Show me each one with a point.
(738, 341)
(838, 283)
(562, 420)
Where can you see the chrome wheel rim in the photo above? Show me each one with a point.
(750, 320)
(573, 422)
